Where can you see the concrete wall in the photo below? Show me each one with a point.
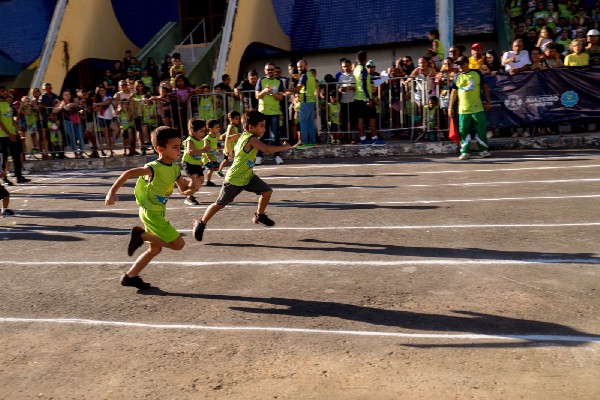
(89, 29)
(255, 22)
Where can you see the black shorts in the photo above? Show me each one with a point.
(193, 169)
(229, 192)
(362, 109)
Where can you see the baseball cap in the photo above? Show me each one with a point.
(477, 46)
(370, 63)
(461, 60)
(593, 32)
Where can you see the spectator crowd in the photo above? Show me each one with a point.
(407, 100)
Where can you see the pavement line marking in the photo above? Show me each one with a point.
(466, 336)
(135, 208)
(379, 263)
(314, 228)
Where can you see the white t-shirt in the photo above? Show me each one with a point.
(522, 59)
(347, 85)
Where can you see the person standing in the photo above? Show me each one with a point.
(10, 141)
(363, 99)
(269, 92)
(306, 88)
(467, 87)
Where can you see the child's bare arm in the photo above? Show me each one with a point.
(267, 148)
(111, 196)
(185, 186)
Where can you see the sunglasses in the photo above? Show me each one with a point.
(270, 70)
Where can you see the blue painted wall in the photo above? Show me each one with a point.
(317, 25)
(142, 19)
(23, 28)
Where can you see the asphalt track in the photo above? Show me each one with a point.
(420, 277)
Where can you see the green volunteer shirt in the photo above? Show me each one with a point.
(268, 105)
(468, 86)
(6, 116)
(363, 83)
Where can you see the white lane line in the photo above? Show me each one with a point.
(8, 230)
(134, 207)
(288, 262)
(466, 336)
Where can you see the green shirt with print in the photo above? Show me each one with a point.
(152, 192)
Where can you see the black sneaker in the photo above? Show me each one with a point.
(191, 201)
(136, 240)
(198, 229)
(221, 174)
(22, 179)
(7, 181)
(210, 183)
(136, 282)
(7, 212)
(263, 219)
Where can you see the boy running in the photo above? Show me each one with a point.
(241, 175)
(230, 137)
(195, 147)
(154, 186)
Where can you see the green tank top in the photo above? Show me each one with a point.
(153, 194)
(6, 116)
(307, 93)
(214, 145)
(361, 77)
(241, 171)
(187, 157)
(268, 105)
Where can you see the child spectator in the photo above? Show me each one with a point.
(433, 122)
(333, 117)
(230, 137)
(551, 56)
(31, 124)
(577, 58)
(206, 109)
(147, 80)
(152, 191)
(194, 148)
(241, 176)
(210, 158)
(126, 124)
(437, 47)
(149, 121)
(176, 69)
(545, 37)
(56, 140)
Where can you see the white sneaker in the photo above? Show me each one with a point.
(464, 156)
(278, 160)
(25, 171)
(485, 154)
(258, 161)
(490, 134)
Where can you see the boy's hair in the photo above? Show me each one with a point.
(333, 94)
(435, 33)
(233, 114)
(211, 123)
(196, 124)
(433, 99)
(161, 135)
(252, 117)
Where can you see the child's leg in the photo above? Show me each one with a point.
(210, 212)
(155, 247)
(263, 202)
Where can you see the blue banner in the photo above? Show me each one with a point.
(544, 97)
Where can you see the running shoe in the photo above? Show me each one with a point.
(263, 219)
(135, 281)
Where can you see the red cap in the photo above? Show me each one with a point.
(477, 46)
